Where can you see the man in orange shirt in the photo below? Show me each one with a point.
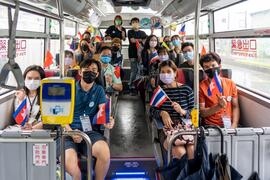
(217, 108)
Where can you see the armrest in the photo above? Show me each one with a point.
(158, 123)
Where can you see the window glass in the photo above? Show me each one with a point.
(69, 27)
(246, 15)
(3, 17)
(55, 49)
(82, 28)
(249, 59)
(30, 22)
(190, 25)
(54, 26)
(28, 52)
(202, 43)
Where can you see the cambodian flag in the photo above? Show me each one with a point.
(214, 85)
(154, 57)
(182, 31)
(20, 115)
(103, 114)
(158, 98)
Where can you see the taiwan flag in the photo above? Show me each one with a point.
(20, 115)
(103, 114)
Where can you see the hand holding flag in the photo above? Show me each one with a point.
(215, 85)
(20, 114)
(154, 57)
(159, 97)
(103, 114)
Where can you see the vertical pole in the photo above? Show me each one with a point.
(62, 37)
(196, 60)
(211, 31)
(62, 148)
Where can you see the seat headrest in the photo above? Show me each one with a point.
(52, 72)
(74, 73)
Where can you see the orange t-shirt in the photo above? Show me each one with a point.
(229, 91)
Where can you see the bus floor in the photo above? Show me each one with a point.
(130, 142)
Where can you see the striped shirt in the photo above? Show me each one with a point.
(183, 95)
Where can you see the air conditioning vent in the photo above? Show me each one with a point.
(131, 2)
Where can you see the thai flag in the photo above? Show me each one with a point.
(182, 31)
(158, 98)
(154, 57)
(214, 85)
(137, 44)
(103, 114)
(20, 115)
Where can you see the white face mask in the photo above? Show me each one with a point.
(167, 78)
(164, 57)
(32, 84)
(68, 61)
(153, 44)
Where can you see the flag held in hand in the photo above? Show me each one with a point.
(103, 114)
(158, 98)
(214, 85)
(20, 115)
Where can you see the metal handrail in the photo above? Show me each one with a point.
(89, 150)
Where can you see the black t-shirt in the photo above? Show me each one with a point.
(132, 49)
(114, 32)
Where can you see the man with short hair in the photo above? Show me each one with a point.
(218, 95)
(89, 98)
(135, 35)
(188, 53)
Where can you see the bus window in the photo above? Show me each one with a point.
(246, 15)
(82, 28)
(3, 18)
(69, 27)
(190, 26)
(249, 60)
(30, 22)
(54, 26)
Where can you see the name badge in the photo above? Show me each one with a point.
(86, 124)
(229, 98)
(227, 122)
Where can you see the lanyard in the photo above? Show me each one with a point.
(31, 104)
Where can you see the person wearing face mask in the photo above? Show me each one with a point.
(135, 36)
(87, 36)
(151, 46)
(174, 111)
(117, 30)
(89, 97)
(188, 52)
(217, 108)
(111, 79)
(32, 76)
(85, 51)
(117, 56)
(175, 54)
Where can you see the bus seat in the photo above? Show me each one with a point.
(74, 73)
(180, 76)
(52, 72)
(227, 73)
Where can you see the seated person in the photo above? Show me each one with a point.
(89, 97)
(188, 52)
(175, 110)
(107, 38)
(111, 78)
(32, 76)
(217, 108)
(85, 51)
(117, 57)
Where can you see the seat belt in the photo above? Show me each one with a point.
(11, 65)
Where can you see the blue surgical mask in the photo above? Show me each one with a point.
(106, 59)
(189, 55)
(176, 42)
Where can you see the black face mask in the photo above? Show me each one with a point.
(210, 72)
(89, 76)
(85, 47)
(115, 48)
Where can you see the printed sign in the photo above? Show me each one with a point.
(244, 47)
(20, 48)
(40, 155)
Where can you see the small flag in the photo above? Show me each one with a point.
(98, 39)
(117, 71)
(103, 114)
(166, 46)
(214, 85)
(48, 59)
(158, 98)
(182, 31)
(80, 35)
(154, 57)
(73, 44)
(20, 114)
(203, 51)
(137, 44)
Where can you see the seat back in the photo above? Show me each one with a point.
(74, 73)
(52, 72)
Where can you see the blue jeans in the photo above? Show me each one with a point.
(134, 65)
